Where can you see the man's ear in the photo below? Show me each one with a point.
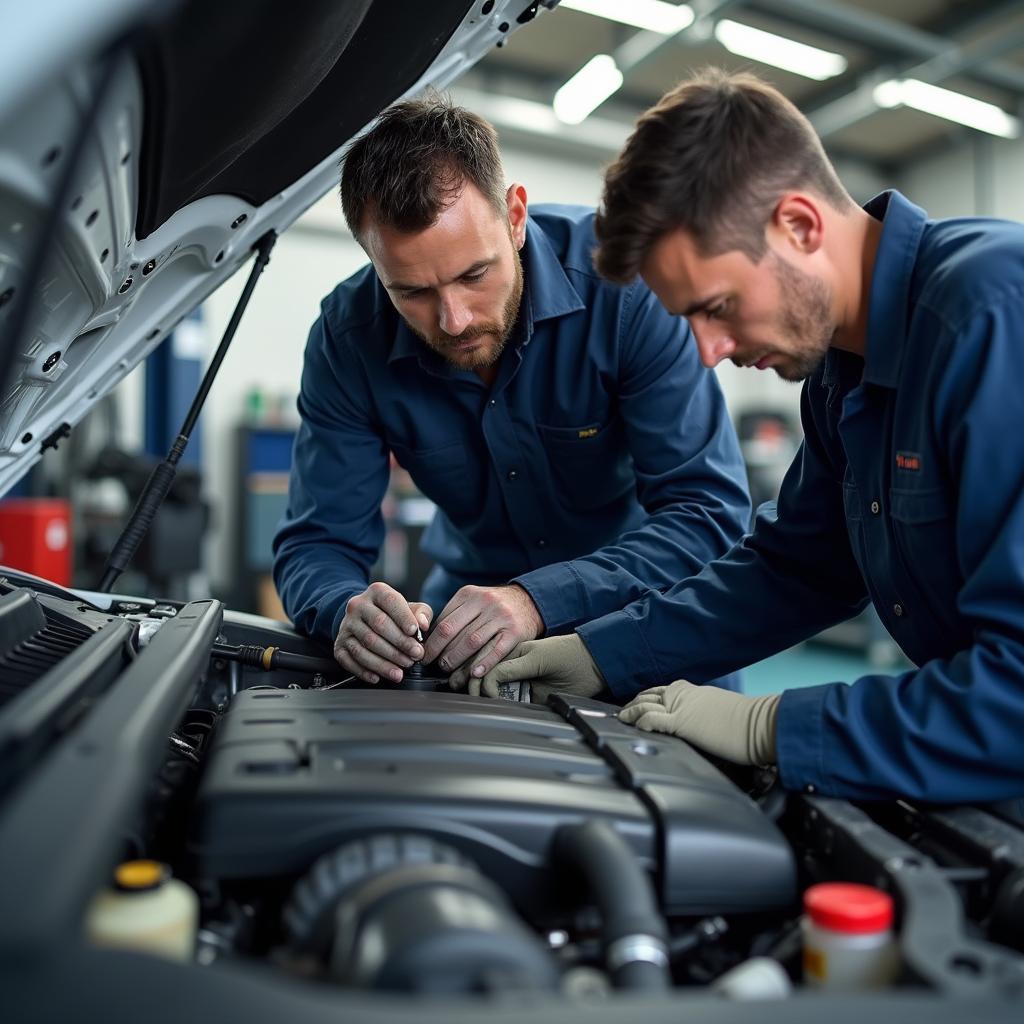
(798, 223)
(515, 201)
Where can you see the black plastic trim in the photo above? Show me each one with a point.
(62, 830)
(696, 809)
(36, 715)
(124, 988)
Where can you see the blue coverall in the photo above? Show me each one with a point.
(908, 491)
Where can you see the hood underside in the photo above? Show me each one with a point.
(218, 124)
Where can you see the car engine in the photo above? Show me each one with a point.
(414, 843)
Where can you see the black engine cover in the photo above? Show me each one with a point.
(294, 773)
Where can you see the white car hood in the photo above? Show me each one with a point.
(213, 132)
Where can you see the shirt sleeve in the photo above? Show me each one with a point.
(950, 730)
(333, 528)
(791, 577)
(690, 475)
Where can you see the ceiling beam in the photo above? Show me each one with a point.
(859, 103)
(891, 36)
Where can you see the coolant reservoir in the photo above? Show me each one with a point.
(848, 937)
(147, 911)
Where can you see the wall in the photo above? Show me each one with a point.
(982, 177)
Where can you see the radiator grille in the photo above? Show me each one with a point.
(33, 639)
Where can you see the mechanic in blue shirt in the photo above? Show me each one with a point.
(577, 451)
(908, 490)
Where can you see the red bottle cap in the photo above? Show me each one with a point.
(850, 908)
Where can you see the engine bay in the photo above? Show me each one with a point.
(350, 842)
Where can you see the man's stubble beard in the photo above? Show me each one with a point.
(488, 356)
(805, 320)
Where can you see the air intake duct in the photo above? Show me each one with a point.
(403, 913)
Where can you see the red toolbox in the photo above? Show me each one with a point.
(35, 536)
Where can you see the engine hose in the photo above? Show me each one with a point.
(268, 658)
(634, 932)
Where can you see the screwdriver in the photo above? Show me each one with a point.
(415, 670)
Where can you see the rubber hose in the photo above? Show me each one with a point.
(634, 931)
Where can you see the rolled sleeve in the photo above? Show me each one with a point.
(617, 644)
(557, 591)
(798, 738)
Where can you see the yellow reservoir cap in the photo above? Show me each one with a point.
(138, 875)
(146, 910)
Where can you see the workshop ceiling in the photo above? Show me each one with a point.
(971, 46)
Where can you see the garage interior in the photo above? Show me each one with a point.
(235, 488)
(313, 812)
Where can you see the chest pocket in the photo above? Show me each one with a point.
(851, 502)
(591, 464)
(854, 524)
(440, 472)
(926, 536)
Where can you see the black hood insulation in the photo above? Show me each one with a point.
(245, 99)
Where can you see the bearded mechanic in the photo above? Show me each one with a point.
(577, 451)
(908, 490)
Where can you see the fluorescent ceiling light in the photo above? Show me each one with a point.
(779, 52)
(654, 15)
(587, 89)
(598, 133)
(953, 106)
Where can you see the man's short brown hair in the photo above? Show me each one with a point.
(415, 161)
(713, 157)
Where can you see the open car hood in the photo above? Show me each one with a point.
(219, 123)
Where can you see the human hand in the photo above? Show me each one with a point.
(729, 725)
(478, 627)
(560, 664)
(377, 637)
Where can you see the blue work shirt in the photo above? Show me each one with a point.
(601, 463)
(907, 491)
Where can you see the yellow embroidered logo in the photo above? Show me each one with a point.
(908, 460)
(588, 432)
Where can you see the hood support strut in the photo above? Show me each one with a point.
(160, 480)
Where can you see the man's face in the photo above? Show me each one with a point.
(459, 282)
(769, 314)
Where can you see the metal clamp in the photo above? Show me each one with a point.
(632, 949)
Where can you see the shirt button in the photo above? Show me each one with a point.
(542, 543)
(875, 508)
(897, 610)
(809, 788)
(492, 402)
(512, 474)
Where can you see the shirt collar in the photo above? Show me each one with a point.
(549, 290)
(406, 343)
(889, 310)
(547, 293)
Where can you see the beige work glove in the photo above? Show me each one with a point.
(736, 728)
(559, 664)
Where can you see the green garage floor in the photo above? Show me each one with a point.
(806, 665)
